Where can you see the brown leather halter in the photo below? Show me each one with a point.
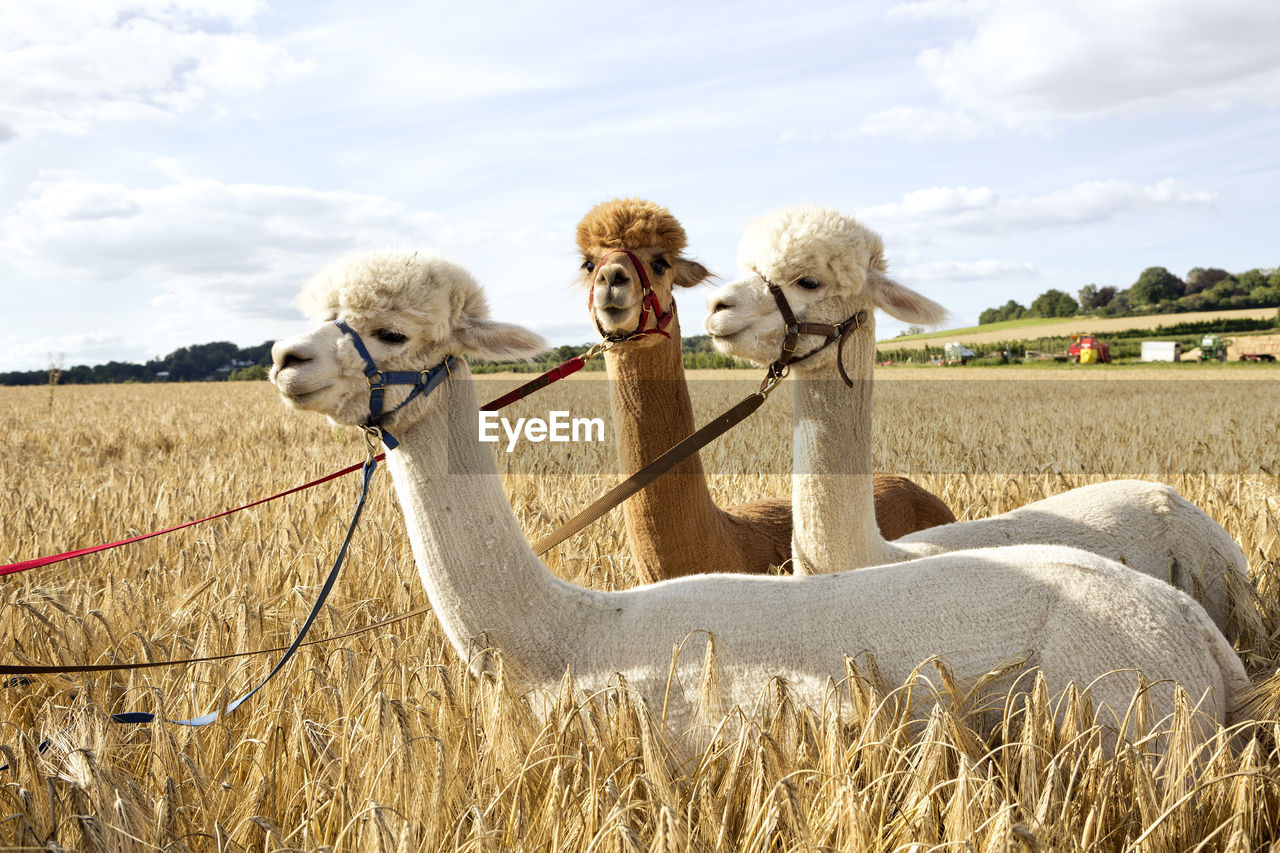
(832, 332)
(648, 302)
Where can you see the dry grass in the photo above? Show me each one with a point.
(381, 742)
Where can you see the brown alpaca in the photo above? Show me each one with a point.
(673, 526)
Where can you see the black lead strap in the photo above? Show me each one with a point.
(423, 383)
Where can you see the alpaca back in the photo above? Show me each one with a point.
(1146, 526)
(1080, 618)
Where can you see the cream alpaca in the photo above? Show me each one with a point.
(673, 526)
(1077, 615)
(830, 267)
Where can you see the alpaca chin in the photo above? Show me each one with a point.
(749, 343)
(297, 392)
(617, 320)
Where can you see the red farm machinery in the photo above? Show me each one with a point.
(1087, 349)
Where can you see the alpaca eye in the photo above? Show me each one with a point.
(589, 266)
(659, 266)
(808, 283)
(389, 337)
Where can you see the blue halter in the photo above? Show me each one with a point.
(423, 382)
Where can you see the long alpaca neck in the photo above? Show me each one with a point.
(832, 494)
(673, 526)
(487, 588)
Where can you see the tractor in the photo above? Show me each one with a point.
(1087, 349)
(1214, 347)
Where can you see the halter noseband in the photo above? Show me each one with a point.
(423, 382)
(648, 302)
(794, 329)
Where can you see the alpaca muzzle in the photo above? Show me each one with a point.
(648, 300)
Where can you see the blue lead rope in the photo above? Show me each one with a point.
(423, 382)
(370, 466)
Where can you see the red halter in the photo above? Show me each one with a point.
(648, 302)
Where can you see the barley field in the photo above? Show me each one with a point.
(381, 741)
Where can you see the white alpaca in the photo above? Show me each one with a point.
(831, 268)
(1075, 615)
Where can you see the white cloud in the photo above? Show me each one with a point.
(983, 270)
(1035, 64)
(242, 248)
(930, 9)
(918, 124)
(72, 200)
(982, 210)
(940, 201)
(69, 66)
(1098, 201)
(197, 260)
(76, 348)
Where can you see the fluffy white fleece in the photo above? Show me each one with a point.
(382, 289)
(807, 240)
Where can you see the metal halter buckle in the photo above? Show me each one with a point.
(598, 348)
(372, 439)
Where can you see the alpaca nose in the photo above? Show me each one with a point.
(718, 302)
(288, 354)
(615, 276)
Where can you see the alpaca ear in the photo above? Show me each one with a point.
(903, 302)
(690, 272)
(485, 338)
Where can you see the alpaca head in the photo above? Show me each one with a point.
(411, 309)
(829, 266)
(656, 238)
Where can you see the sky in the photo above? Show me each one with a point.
(171, 171)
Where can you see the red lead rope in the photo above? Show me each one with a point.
(555, 374)
(58, 558)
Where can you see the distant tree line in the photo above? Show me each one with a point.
(199, 363)
(1157, 291)
(222, 360)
